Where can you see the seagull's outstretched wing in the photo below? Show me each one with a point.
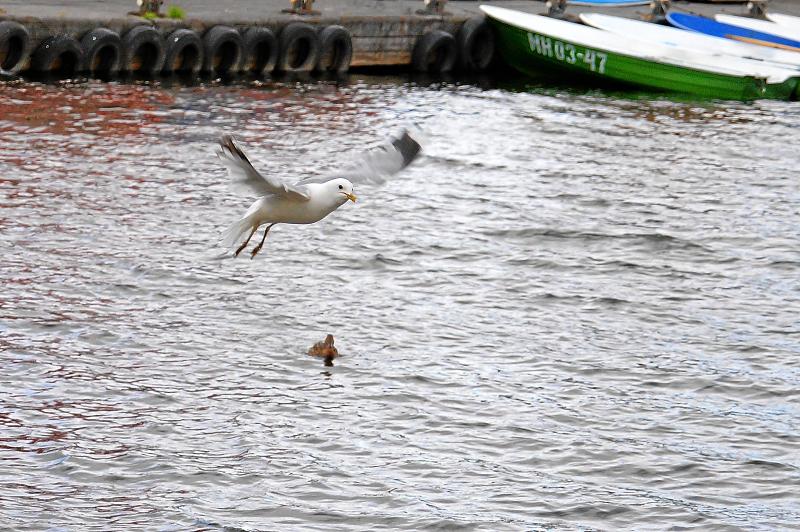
(375, 165)
(247, 180)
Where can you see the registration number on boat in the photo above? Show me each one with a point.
(567, 52)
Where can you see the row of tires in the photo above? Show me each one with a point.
(222, 50)
(142, 50)
(471, 50)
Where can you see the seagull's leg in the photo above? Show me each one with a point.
(239, 250)
(258, 247)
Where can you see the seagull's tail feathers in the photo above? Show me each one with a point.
(236, 232)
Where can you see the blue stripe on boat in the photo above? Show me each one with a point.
(720, 29)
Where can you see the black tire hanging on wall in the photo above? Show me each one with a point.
(475, 45)
(183, 53)
(142, 51)
(59, 55)
(435, 52)
(336, 50)
(102, 52)
(14, 41)
(260, 51)
(222, 50)
(299, 48)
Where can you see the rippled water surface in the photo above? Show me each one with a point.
(576, 310)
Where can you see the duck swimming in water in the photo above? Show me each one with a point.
(325, 349)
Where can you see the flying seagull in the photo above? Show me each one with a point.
(308, 200)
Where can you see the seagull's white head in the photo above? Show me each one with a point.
(342, 188)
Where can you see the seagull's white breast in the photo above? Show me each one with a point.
(275, 209)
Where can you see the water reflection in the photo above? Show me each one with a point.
(577, 310)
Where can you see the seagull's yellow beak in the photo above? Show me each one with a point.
(351, 197)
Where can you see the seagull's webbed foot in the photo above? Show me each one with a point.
(260, 244)
(244, 245)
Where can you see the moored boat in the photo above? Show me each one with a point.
(671, 36)
(729, 31)
(531, 42)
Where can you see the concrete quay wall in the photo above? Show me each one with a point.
(377, 40)
(382, 32)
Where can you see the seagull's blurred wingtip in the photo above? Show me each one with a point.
(408, 147)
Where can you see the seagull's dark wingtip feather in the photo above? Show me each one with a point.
(408, 147)
(229, 145)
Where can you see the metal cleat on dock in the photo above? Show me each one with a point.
(301, 7)
(757, 8)
(556, 8)
(658, 12)
(149, 6)
(433, 7)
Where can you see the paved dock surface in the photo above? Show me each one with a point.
(252, 11)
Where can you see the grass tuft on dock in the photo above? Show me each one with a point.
(176, 12)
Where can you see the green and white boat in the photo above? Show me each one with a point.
(531, 43)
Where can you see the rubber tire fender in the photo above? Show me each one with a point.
(293, 36)
(219, 40)
(260, 54)
(476, 47)
(435, 52)
(142, 40)
(178, 50)
(14, 45)
(102, 50)
(336, 49)
(59, 54)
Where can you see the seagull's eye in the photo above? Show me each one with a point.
(340, 187)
